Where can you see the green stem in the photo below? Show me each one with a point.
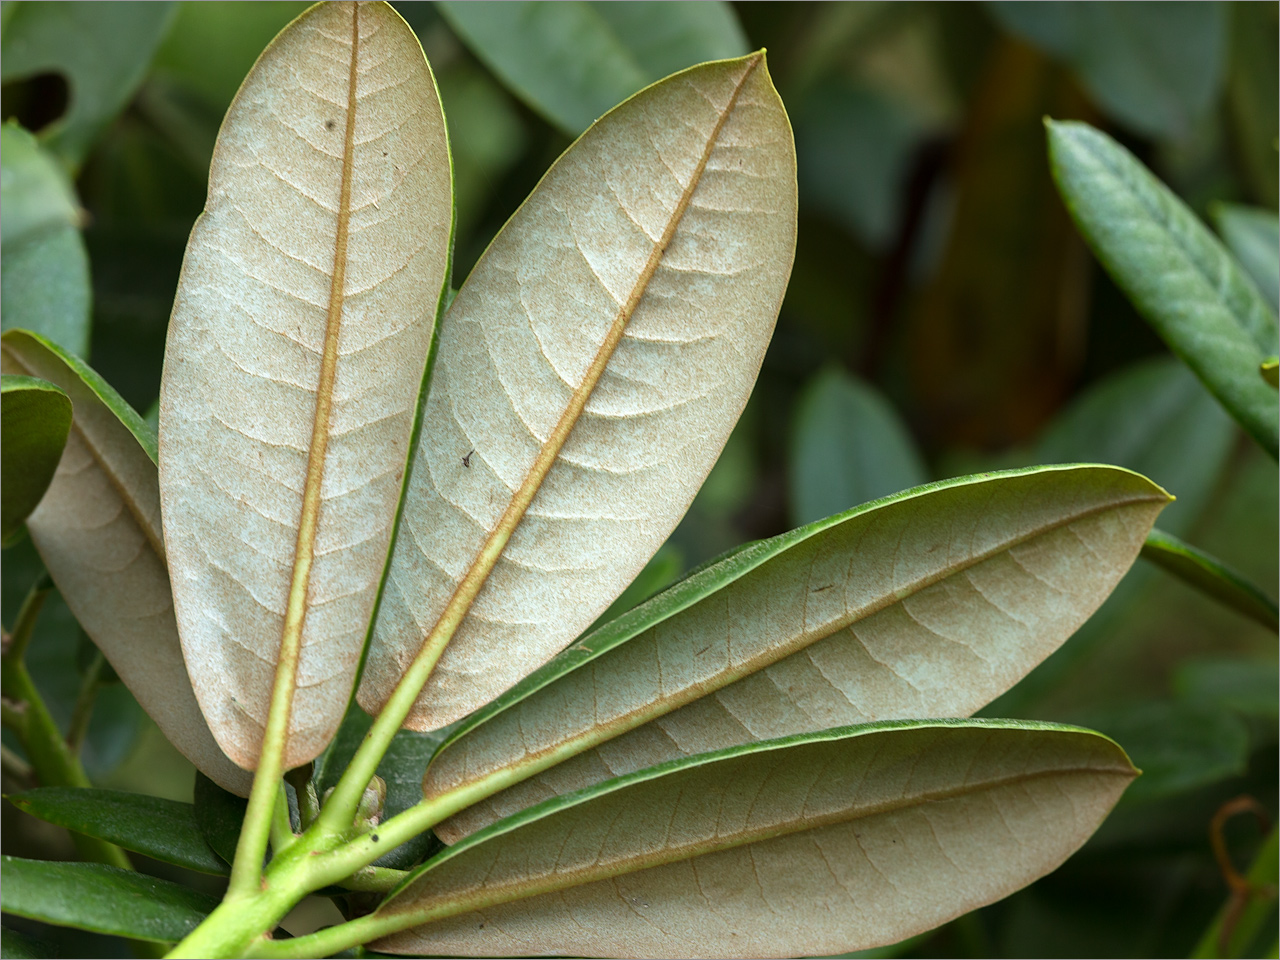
(1246, 917)
(1210, 576)
(300, 778)
(53, 761)
(282, 835)
(83, 710)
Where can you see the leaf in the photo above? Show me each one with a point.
(98, 532)
(36, 417)
(19, 945)
(573, 61)
(103, 51)
(219, 815)
(1157, 67)
(1245, 686)
(839, 840)
(1253, 235)
(1179, 746)
(1270, 370)
(1174, 271)
(659, 573)
(44, 273)
(1210, 576)
(590, 370)
(164, 830)
(102, 899)
(929, 603)
(295, 356)
(849, 446)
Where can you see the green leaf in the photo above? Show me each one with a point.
(1245, 686)
(102, 49)
(1211, 576)
(161, 829)
(44, 272)
(1253, 235)
(1178, 275)
(573, 61)
(849, 446)
(1178, 745)
(1270, 370)
(218, 814)
(844, 839)
(1157, 67)
(90, 896)
(659, 573)
(98, 532)
(20, 946)
(929, 603)
(35, 417)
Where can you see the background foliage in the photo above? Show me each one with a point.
(944, 317)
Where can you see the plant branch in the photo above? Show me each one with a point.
(83, 711)
(1210, 576)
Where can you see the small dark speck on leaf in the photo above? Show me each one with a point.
(329, 124)
(466, 461)
(827, 587)
(481, 927)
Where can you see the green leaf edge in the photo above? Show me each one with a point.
(100, 388)
(1211, 576)
(712, 576)
(43, 804)
(555, 804)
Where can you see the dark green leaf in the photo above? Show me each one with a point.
(218, 815)
(35, 417)
(1270, 370)
(1246, 686)
(574, 61)
(20, 946)
(1178, 745)
(1253, 235)
(101, 899)
(1178, 275)
(161, 829)
(103, 50)
(1155, 66)
(849, 446)
(1210, 575)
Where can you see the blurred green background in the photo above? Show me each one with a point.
(943, 318)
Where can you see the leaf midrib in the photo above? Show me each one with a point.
(579, 877)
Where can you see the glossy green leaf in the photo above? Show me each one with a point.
(589, 373)
(1253, 235)
(1178, 745)
(98, 532)
(102, 899)
(574, 61)
(848, 446)
(1178, 275)
(102, 49)
(838, 840)
(1157, 67)
(1211, 576)
(161, 829)
(44, 271)
(293, 370)
(35, 417)
(929, 603)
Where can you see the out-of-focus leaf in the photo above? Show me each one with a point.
(20, 946)
(1211, 576)
(102, 899)
(161, 829)
(98, 532)
(400, 769)
(326, 224)
(848, 446)
(1155, 66)
(1270, 370)
(628, 305)
(574, 61)
(853, 145)
(1253, 96)
(1178, 275)
(658, 574)
(35, 195)
(1246, 686)
(44, 271)
(926, 604)
(102, 49)
(1253, 235)
(814, 844)
(997, 334)
(486, 136)
(1256, 915)
(1178, 745)
(35, 417)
